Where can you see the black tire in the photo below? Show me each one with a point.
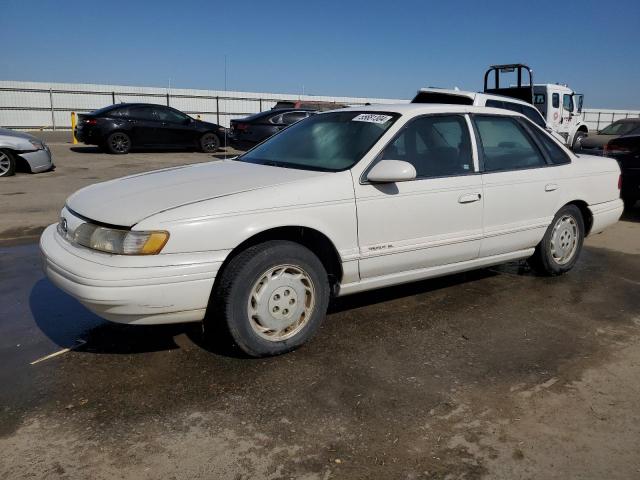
(209, 143)
(7, 163)
(577, 140)
(545, 260)
(118, 143)
(232, 299)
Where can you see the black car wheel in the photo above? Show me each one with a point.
(209, 143)
(118, 143)
(7, 163)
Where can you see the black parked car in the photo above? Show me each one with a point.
(626, 149)
(119, 128)
(593, 144)
(249, 131)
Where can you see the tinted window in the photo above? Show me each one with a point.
(555, 153)
(293, 117)
(505, 145)
(539, 98)
(143, 113)
(328, 142)
(119, 112)
(534, 115)
(169, 115)
(555, 98)
(495, 104)
(567, 103)
(621, 128)
(435, 145)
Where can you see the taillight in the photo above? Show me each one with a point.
(615, 150)
(619, 182)
(240, 126)
(91, 121)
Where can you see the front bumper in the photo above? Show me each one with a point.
(158, 289)
(39, 160)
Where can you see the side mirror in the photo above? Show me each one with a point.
(390, 171)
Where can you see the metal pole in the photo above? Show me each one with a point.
(113, 97)
(53, 116)
(167, 99)
(260, 103)
(218, 110)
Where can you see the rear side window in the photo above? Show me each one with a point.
(556, 154)
(119, 112)
(505, 145)
(555, 99)
(293, 117)
(142, 113)
(436, 146)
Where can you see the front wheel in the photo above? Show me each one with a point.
(271, 298)
(209, 143)
(7, 163)
(560, 247)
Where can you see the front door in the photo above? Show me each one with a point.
(175, 128)
(433, 220)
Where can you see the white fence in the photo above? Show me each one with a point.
(36, 105)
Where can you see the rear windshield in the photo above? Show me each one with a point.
(621, 128)
(103, 110)
(326, 142)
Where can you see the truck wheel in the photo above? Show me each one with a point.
(7, 163)
(271, 298)
(577, 140)
(560, 247)
(118, 143)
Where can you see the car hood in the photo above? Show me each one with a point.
(596, 141)
(12, 133)
(126, 201)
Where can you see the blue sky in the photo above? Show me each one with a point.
(355, 48)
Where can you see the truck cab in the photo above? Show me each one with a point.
(562, 109)
(559, 105)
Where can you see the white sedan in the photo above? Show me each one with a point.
(342, 202)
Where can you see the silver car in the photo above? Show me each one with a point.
(18, 147)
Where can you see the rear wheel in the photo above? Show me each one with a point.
(118, 143)
(271, 298)
(209, 143)
(7, 163)
(560, 247)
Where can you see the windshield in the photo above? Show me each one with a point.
(327, 142)
(620, 128)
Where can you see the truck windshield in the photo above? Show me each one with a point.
(620, 128)
(326, 142)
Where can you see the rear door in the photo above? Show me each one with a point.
(520, 194)
(143, 125)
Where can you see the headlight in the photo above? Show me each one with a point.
(117, 241)
(37, 144)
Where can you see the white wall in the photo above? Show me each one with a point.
(28, 104)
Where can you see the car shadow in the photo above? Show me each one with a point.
(631, 214)
(68, 324)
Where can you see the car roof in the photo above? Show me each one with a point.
(413, 109)
(473, 95)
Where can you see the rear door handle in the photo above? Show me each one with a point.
(550, 187)
(469, 198)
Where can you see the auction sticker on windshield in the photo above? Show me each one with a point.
(372, 118)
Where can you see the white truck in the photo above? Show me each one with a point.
(559, 105)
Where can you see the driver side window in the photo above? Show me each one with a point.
(437, 146)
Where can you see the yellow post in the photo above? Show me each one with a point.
(73, 128)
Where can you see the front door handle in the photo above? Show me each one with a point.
(469, 198)
(550, 187)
